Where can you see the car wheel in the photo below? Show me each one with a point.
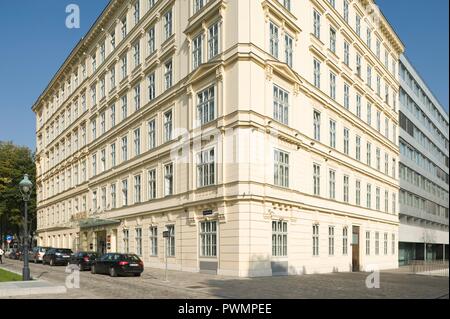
(112, 272)
(137, 275)
(93, 270)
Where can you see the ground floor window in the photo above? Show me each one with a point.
(315, 240)
(367, 243)
(208, 239)
(139, 241)
(126, 242)
(345, 240)
(331, 240)
(153, 241)
(170, 247)
(279, 238)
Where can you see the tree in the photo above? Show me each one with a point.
(15, 161)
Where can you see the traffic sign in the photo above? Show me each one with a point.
(9, 238)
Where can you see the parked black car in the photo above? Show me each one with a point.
(84, 259)
(57, 256)
(116, 264)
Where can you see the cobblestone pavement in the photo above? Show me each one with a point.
(182, 285)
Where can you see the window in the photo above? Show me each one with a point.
(333, 86)
(333, 40)
(316, 179)
(385, 246)
(369, 38)
(346, 141)
(137, 189)
(170, 242)
(208, 239)
(124, 148)
(377, 243)
(369, 154)
(394, 202)
(378, 158)
(369, 76)
(317, 125)
(386, 201)
(316, 24)
(102, 89)
(346, 5)
(198, 4)
(315, 238)
(151, 40)
(346, 188)
(346, 96)
(136, 15)
(367, 243)
(125, 192)
(378, 85)
(346, 53)
(93, 95)
(152, 184)
(123, 67)
(377, 199)
(280, 105)
(206, 105)
(137, 97)
(369, 196)
(94, 63)
(94, 200)
(332, 184)
(153, 231)
(139, 241)
(344, 240)
(168, 24)
(358, 65)
(288, 48)
(113, 40)
(358, 25)
(151, 134)
(358, 193)
(369, 113)
(151, 87)
(103, 160)
(378, 121)
(94, 164)
(124, 27)
(113, 196)
(331, 240)
(137, 54)
(358, 148)
(137, 142)
(279, 238)
(126, 245)
(274, 40)
(213, 41)
(112, 78)
(168, 126)
(333, 3)
(206, 168)
(168, 74)
(113, 155)
(287, 4)
(378, 48)
(358, 105)
(168, 179)
(281, 168)
(332, 134)
(197, 45)
(316, 73)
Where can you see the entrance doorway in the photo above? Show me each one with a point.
(355, 248)
(101, 242)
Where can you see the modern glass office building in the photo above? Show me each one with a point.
(424, 170)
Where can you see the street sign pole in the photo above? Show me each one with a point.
(166, 235)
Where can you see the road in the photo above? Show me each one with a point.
(183, 285)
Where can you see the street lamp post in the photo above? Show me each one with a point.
(25, 187)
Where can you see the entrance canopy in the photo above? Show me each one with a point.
(95, 222)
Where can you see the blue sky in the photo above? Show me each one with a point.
(35, 42)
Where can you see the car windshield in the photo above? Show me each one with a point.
(131, 258)
(63, 251)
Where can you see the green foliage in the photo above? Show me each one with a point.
(15, 161)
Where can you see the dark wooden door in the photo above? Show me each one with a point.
(355, 248)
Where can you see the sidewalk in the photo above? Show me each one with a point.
(28, 288)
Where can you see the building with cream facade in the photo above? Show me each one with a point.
(261, 134)
(424, 169)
